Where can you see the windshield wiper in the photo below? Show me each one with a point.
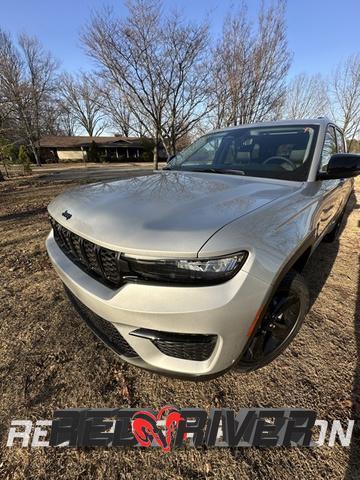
(230, 171)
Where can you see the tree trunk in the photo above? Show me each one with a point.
(36, 154)
(156, 152)
(156, 158)
(37, 157)
(1, 177)
(173, 145)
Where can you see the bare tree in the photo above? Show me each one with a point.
(185, 78)
(345, 95)
(7, 126)
(250, 67)
(79, 98)
(27, 83)
(306, 97)
(231, 68)
(66, 122)
(155, 63)
(115, 105)
(130, 55)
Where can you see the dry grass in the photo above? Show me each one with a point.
(50, 360)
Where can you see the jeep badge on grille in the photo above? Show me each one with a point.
(66, 214)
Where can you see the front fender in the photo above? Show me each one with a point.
(275, 238)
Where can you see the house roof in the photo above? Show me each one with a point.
(57, 141)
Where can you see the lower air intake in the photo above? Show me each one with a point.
(102, 328)
(194, 347)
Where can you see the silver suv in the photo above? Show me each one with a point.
(198, 267)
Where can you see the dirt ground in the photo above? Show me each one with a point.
(50, 360)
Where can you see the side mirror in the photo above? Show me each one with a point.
(342, 165)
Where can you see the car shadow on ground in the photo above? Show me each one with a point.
(321, 262)
(316, 273)
(353, 469)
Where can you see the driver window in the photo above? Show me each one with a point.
(329, 148)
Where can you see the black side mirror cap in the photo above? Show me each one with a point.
(341, 165)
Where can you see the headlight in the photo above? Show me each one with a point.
(215, 270)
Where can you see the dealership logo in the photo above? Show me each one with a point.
(67, 215)
(147, 428)
(171, 428)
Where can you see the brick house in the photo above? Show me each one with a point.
(116, 148)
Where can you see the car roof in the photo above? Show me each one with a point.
(303, 121)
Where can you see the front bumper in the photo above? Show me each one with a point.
(225, 311)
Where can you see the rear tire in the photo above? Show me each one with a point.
(279, 324)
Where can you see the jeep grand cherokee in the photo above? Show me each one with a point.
(198, 267)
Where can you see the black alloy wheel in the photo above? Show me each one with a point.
(279, 324)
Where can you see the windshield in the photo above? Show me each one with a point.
(283, 152)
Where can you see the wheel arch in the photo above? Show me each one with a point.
(297, 262)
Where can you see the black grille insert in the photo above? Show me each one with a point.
(99, 262)
(102, 328)
(194, 347)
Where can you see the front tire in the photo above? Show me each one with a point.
(279, 324)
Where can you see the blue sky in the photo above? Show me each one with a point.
(320, 32)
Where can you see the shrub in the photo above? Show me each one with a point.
(146, 157)
(103, 158)
(24, 159)
(93, 153)
(8, 152)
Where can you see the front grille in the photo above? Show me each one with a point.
(99, 262)
(194, 347)
(102, 328)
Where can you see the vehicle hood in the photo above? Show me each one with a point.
(167, 214)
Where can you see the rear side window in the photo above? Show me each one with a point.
(340, 142)
(329, 148)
